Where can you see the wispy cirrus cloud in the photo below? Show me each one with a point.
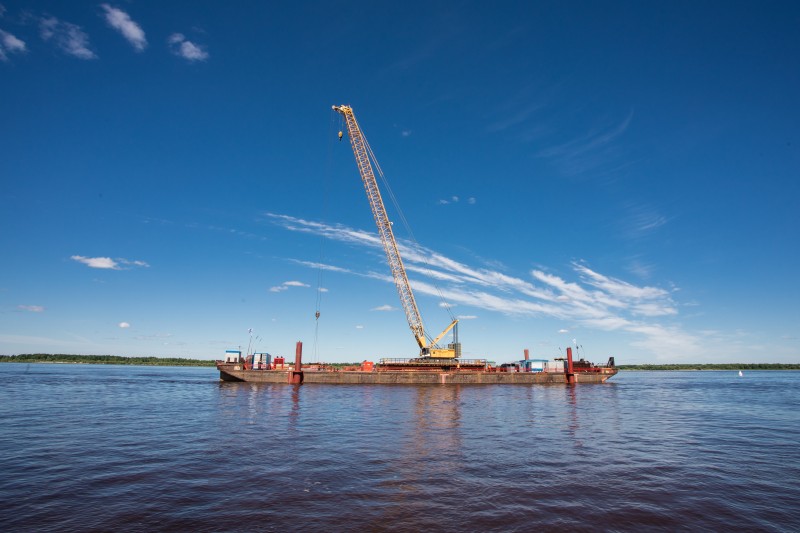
(122, 22)
(108, 263)
(529, 115)
(515, 117)
(641, 220)
(386, 307)
(182, 47)
(10, 44)
(31, 308)
(588, 298)
(67, 37)
(597, 149)
(588, 142)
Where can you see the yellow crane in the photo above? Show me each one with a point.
(429, 348)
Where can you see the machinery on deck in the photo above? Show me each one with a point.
(430, 351)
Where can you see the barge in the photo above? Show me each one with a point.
(436, 364)
(262, 369)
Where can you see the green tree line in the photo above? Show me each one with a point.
(103, 360)
(715, 366)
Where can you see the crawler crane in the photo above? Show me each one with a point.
(430, 351)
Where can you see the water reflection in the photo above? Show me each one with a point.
(294, 411)
(431, 453)
(437, 425)
(573, 424)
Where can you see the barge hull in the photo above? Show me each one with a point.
(232, 372)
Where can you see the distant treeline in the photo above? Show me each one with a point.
(103, 360)
(723, 366)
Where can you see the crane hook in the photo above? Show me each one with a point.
(340, 135)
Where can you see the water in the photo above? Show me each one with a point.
(85, 447)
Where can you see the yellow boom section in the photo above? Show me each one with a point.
(362, 154)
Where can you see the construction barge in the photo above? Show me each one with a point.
(436, 364)
(261, 368)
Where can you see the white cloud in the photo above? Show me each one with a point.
(107, 262)
(563, 331)
(359, 326)
(121, 21)
(97, 262)
(69, 38)
(188, 50)
(31, 308)
(124, 325)
(9, 43)
(406, 133)
(467, 317)
(386, 307)
(471, 200)
(286, 284)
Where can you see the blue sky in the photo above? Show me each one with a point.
(623, 175)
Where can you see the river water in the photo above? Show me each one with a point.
(93, 447)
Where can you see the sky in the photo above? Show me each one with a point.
(620, 177)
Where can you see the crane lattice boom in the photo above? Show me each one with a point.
(362, 154)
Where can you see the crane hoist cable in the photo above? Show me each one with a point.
(406, 226)
(322, 239)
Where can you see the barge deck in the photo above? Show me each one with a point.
(236, 372)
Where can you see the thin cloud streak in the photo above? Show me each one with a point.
(288, 284)
(108, 263)
(597, 150)
(587, 143)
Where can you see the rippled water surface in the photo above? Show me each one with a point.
(85, 447)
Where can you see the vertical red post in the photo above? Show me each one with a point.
(298, 357)
(569, 371)
(296, 375)
(526, 354)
